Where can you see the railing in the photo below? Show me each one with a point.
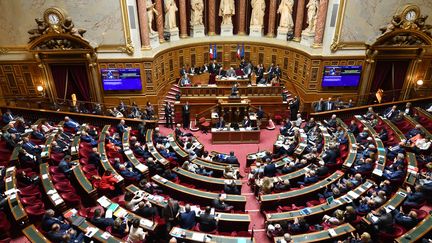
(378, 108)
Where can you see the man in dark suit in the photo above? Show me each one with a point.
(385, 221)
(207, 221)
(391, 112)
(69, 123)
(329, 156)
(319, 106)
(219, 203)
(99, 221)
(94, 157)
(221, 123)
(186, 115)
(270, 170)
(170, 213)
(414, 198)
(146, 210)
(183, 71)
(121, 127)
(231, 159)
(7, 117)
(407, 221)
(65, 165)
(187, 218)
(294, 107)
(396, 175)
(49, 219)
(270, 72)
(30, 147)
(260, 74)
(310, 178)
(353, 128)
(277, 72)
(246, 122)
(168, 115)
(329, 105)
(36, 134)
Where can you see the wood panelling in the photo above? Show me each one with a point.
(20, 79)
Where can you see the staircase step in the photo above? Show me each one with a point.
(173, 93)
(171, 97)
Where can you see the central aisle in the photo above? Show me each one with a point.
(241, 151)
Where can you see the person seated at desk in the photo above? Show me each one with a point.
(36, 134)
(115, 113)
(187, 218)
(407, 221)
(247, 123)
(232, 160)
(129, 174)
(230, 187)
(414, 198)
(230, 73)
(88, 139)
(56, 234)
(69, 123)
(207, 221)
(391, 112)
(146, 210)
(99, 221)
(49, 219)
(299, 226)
(234, 90)
(26, 158)
(220, 205)
(274, 230)
(204, 68)
(120, 227)
(136, 233)
(395, 175)
(185, 81)
(7, 117)
(385, 220)
(310, 178)
(221, 123)
(169, 175)
(66, 165)
(260, 74)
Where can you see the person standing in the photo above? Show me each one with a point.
(186, 115)
(294, 107)
(168, 115)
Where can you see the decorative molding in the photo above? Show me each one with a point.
(337, 43)
(4, 50)
(128, 47)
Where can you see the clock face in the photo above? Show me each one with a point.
(53, 18)
(411, 15)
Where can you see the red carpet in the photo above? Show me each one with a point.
(241, 150)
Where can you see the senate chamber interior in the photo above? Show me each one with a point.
(226, 121)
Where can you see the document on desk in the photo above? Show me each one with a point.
(104, 202)
(198, 237)
(91, 231)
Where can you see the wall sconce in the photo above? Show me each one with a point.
(420, 82)
(40, 89)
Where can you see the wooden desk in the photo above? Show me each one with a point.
(181, 153)
(85, 224)
(190, 194)
(82, 180)
(34, 235)
(197, 79)
(106, 165)
(17, 209)
(322, 236)
(231, 136)
(225, 91)
(146, 224)
(381, 153)
(231, 81)
(415, 123)
(351, 158)
(194, 236)
(270, 200)
(130, 155)
(217, 169)
(76, 142)
(49, 188)
(231, 221)
(154, 152)
(204, 182)
(417, 232)
(317, 211)
(395, 201)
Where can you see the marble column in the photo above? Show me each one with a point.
(212, 17)
(272, 18)
(299, 20)
(143, 24)
(320, 23)
(160, 20)
(242, 18)
(183, 17)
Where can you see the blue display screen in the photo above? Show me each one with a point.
(341, 76)
(121, 79)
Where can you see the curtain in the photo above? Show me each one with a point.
(77, 81)
(383, 78)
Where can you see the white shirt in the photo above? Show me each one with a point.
(136, 235)
(422, 144)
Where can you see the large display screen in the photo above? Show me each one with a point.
(341, 76)
(121, 79)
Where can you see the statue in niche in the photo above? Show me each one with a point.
(258, 11)
(226, 11)
(197, 12)
(170, 14)
(69, 27)
(150, 11)
(285, 10)
(312, 10)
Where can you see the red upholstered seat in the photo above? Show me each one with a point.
(56, 157)
(54, 170)
(421, 214)
(30, 200)
(4, 222)
(29, 189)
(36, 210)
(71, 198)
(312, 203)
(397, 231)
(59, 178)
